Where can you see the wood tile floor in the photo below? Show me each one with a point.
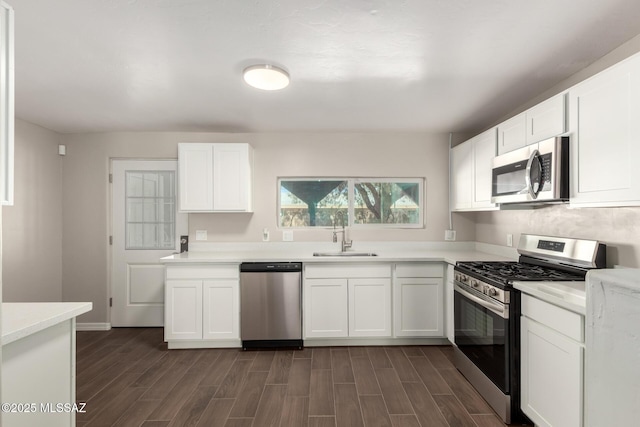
(127, 377)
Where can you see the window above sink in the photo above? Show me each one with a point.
(356, 202)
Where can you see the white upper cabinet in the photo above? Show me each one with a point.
(543, 121)
(547, 119)
(6, 103)
(195, 177)
(214, 177)
(461, 176)
(471, 164)
(605, 144)
(512, 134)
(484, 150)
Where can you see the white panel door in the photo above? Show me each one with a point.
(183, 310)
(484, 150)
(146, 227)
(552, 372)
(231, 177)
(196, 177)
(221, 310)
(606, 143)
(418, 307)
(369, 307)
(462, 176)
(512, 134)
(325, 308)
(547, 119)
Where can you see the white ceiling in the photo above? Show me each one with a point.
(355, 65)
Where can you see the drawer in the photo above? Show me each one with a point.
(319, 271)
(221, 271)
(564, 321)
(417, 269)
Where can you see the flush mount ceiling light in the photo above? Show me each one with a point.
(266, 77)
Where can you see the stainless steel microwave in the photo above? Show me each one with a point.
(535, 173)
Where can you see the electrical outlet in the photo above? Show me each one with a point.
(510, 240)
(201, 234)
(265, 235)
(450, 235)
(287, 236)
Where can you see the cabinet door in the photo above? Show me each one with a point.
(325, 308)
(195, 173)
(369, 307)
(605, 146)
(512, 134)
(221, 309)
(183, 310)
(547, 119)
(484, 150)
(418, 305)
(552, 369)
(231, 177)
(462, 176)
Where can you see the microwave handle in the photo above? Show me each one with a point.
(534, 165)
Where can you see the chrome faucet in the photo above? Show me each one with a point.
(346, 244)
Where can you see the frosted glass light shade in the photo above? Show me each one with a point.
(266, 77)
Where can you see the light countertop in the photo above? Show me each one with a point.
(569, 295)
(20, 320)
(385, 252)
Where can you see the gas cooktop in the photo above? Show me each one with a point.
(508, 272)
(542, 259)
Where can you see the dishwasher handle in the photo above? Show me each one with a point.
(276, 267)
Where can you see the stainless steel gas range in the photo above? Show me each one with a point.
(487, 312)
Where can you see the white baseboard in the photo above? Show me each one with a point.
(93, 326)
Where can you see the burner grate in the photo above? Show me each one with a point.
(509, 271)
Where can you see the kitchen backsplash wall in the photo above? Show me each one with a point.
(619, 228)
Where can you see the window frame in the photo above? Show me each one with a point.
(351, 181)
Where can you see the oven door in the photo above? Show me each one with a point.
(482, 334)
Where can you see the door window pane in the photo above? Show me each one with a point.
(150, 209)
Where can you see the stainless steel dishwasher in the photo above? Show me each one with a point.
(271, 304)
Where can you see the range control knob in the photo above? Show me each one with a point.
(492, 292)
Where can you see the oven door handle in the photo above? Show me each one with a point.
(501, 310)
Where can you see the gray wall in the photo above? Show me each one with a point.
(32, 227)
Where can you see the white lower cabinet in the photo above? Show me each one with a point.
(418, 300)
(347, 300)
(220, 313)
(183, 310)
(326, 308)
(202, 306)
(369, 307)
(552, 358)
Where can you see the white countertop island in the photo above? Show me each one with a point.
(39, 363)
